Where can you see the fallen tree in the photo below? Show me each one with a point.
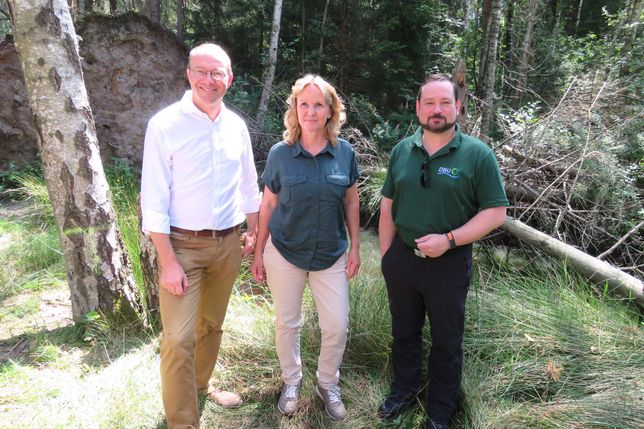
(597, 271)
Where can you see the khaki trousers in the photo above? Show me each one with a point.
(192, 323)
(330, 289)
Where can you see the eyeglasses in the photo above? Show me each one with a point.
(424, 178)
(214, 74)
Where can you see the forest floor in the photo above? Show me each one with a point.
(30, 311)
(542, 350)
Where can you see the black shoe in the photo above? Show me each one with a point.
(394, 404)
(431, 424)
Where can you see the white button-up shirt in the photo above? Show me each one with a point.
(197, 173)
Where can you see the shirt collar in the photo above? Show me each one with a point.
(189, 108)
(455, 143)
(299, 150)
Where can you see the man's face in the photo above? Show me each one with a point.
(437, 109)
(209, 79)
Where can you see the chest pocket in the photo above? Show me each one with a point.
(294, 189)
(336, 187)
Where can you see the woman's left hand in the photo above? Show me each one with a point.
(353, 263)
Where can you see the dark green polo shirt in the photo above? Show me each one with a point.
(462, 178)
(308, 224)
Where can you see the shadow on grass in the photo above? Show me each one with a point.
(99, 348)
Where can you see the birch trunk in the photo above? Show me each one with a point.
(595, 270)
(321, 50)
(98, 269)
(272, 63)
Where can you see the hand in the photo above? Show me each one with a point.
(433, 245)
(248, 238)
(173, 279)
(353, 263)
(257, 268)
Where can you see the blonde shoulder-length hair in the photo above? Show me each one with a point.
(333, 124)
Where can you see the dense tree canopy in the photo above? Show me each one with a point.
(557, 80)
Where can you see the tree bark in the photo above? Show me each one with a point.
(321, 50)
(180, 16)
(460, 80)
(597, 271)
(272, 63)
(98, 269)
(581, 3)
(154, 10)
(488, 65)
(507, 34)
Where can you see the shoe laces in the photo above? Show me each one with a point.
(334, 394)
(290, 392)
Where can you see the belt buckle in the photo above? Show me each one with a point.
(419, 253)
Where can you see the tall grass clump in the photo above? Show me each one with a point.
(544, 349)
(124, 187)
(32, 255)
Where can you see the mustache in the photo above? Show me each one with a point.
(437, 116)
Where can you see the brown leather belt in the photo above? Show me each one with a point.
(213, 233)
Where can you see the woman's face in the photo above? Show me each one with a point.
(312, 110)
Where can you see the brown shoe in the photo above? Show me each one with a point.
(223, 398)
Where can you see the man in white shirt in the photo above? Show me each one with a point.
(198, 185)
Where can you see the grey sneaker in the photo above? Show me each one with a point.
(332, 401)
(287, 404)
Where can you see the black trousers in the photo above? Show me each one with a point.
(433, 287)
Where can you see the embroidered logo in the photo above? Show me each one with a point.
(446, 171)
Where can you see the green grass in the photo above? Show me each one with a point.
(32, 258)
(543, 349)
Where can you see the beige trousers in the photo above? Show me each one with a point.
(330, 289)
(192, 323)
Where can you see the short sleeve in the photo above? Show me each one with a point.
(271, 176)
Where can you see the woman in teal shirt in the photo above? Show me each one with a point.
(310, 194)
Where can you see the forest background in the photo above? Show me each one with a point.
(553, 86)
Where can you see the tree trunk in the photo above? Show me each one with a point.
(98, 269)
(460, 80)
(485, 21)
(596, 270)
(344, 44)
(302, 36)
(154, 10)
(272, 63)
(632, 25)
(113, 7)
(488, 65)
(466, 14)
(524, 55)
(507, 34)
(321, 50)
(581, 3)
(150, 271)
(180, 15)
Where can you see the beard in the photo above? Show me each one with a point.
(440, 128)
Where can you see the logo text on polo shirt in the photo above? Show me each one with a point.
(446, 171)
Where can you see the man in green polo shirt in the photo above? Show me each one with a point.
(443, 191)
